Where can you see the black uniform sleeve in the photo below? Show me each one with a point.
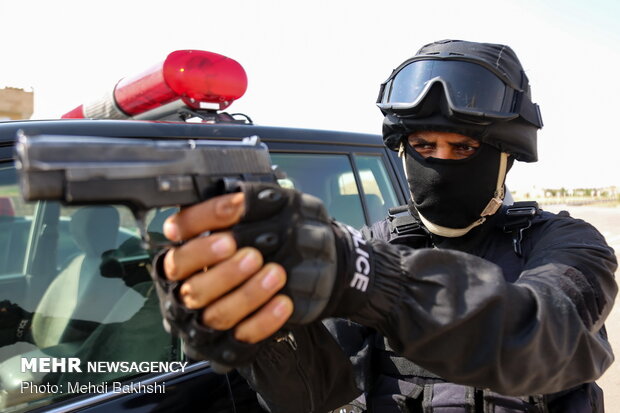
(453, 314)
(314, 368)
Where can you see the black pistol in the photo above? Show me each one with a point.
(140, 173)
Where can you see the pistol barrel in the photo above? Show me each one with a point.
(140, 173)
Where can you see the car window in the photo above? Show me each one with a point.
(320, 175)
(377, 185)
(75, 286)
(15, 224)
(332, 178)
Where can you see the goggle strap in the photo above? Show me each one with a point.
(528, 110)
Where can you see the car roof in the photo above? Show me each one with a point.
(159, 129)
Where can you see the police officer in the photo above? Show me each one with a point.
(454, 303)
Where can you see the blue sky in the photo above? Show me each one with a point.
(318, 63)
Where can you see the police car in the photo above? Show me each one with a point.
(80, 327)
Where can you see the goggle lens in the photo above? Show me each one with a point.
(468, 86)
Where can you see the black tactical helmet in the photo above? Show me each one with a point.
(476, 89)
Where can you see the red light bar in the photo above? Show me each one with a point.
(199, 79)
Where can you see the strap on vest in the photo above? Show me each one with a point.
(518, 218)
(495, 402)
(406, 229)
(392, 364)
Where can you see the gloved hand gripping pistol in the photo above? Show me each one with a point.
(141, 174)
(287, 226)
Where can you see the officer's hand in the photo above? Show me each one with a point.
(236, 288)
(223, 297)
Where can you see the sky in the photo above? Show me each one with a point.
(318, 64)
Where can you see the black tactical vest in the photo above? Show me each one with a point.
(398, 385)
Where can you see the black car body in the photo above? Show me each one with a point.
(50, 270)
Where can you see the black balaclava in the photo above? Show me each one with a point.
(453, 196)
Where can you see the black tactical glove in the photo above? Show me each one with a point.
(328, 268)
(15, 323)
(329, 265)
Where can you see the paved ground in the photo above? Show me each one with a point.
(607, 221)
